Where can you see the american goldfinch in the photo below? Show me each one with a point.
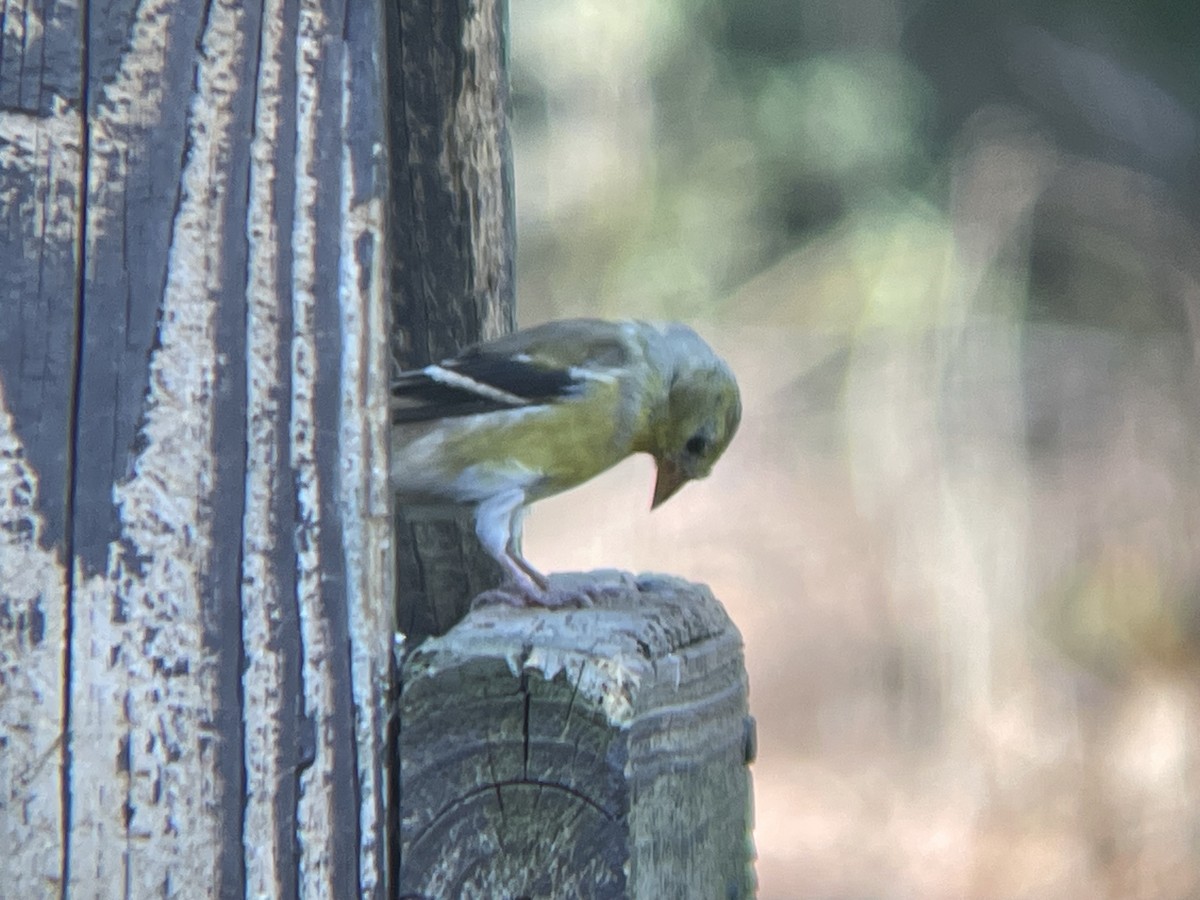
(536, 412)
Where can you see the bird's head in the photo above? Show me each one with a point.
(703, 411)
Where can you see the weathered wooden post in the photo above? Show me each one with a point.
(452, 251)
(195, 528)
(195, 525)
(585, 753)
(573, 753)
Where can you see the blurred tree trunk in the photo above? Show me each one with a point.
(452, 252)
(195, 568)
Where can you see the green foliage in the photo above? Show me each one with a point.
(668, 153)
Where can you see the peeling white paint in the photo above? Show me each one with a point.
(315, 813)
(262, 680)
(131, 99)
(32, 604)
(364, 431)
(40, 183)
(22, 24)
(143, 782)
(40, 172)
(143, 684)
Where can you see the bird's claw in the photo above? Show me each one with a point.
(502, 596)
(589, 589)
(566, 598)
(551, 598)
(560, 593)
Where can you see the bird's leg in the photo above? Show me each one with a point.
(549, 596)
(514, 554)
(495, 518)
(498, 524)
(530, 572)
(553, 595)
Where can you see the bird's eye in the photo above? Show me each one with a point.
(696, 444)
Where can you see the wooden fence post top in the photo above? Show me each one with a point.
(607, 650)
(593, 752)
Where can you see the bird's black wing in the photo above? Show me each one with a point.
(478, 382)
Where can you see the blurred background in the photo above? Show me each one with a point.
(951, 250)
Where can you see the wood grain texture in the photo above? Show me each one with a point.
(269, 612)
(595, 753)
(41, 165)
(452, 252)
(146, 677)
(195, 549)
(440, 567)
(32, 644)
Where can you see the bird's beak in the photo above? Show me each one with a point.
(670, 479)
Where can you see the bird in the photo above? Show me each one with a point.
(511, 421)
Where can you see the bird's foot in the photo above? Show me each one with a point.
(597, 586)
(561, 592)
(518, 595)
